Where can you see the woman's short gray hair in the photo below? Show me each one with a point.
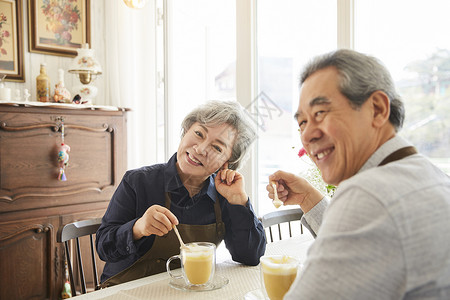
(225, 112)
(360, 75)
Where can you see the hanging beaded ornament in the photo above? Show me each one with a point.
(63, 156)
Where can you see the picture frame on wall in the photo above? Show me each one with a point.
(11, 49)
(58, 27)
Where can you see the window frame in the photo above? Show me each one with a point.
(246, 67)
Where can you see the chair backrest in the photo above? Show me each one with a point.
(279, 217)
(73, 231)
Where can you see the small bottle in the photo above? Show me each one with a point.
(43, 85)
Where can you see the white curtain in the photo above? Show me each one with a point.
(130, 75)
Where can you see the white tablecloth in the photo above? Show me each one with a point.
(242, 279)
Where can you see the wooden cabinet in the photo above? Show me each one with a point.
(27, 250)
(34, 203)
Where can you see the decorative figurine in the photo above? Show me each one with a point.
(62, 95)
(26, 95)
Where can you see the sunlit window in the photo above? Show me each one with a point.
(289, 33)
(414, 45)
(202, 57)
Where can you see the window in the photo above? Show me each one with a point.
(414, 46)
(201, 57)
(289, 33)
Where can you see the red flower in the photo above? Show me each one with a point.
(73, 17)
(6, 33)
(302, 152)
(4, 51)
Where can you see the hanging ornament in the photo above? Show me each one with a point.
(66, 291)
(63, 156)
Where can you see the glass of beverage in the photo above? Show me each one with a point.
(277, 274)
(198, 263)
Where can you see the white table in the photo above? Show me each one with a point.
(242, 279)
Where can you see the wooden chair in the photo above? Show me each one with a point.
(75, 231)
(279, 217)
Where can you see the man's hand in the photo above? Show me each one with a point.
(293, 190)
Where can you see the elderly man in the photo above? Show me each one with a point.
(386, 233)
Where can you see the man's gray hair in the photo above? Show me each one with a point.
(360, 75)
(213, 113)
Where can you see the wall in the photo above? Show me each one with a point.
(32, 61)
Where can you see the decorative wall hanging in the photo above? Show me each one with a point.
(63, 155)
(58, 27)
(11, 50)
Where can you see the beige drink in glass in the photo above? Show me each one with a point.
(198, 261)
(277, 274)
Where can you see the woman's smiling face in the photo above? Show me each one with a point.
(204, 149)
(336, 136)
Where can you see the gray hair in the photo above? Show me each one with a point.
(225, 112)
(360, 75)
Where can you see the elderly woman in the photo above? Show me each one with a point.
(198, 189)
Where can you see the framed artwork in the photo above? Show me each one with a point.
(58, 27)
(11, 50)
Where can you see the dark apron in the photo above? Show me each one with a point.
(154, 260)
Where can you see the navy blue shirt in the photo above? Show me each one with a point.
(141, 188)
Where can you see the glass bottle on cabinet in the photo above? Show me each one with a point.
(43, 85)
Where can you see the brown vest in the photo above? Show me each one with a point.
(154, 261)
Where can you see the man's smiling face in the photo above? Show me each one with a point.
(337, 137)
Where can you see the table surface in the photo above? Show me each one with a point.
(242, 279)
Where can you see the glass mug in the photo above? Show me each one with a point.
(198, 263)
(277, 274)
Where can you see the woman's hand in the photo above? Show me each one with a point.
(156, 220)
(293, 190)
(230, 184)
